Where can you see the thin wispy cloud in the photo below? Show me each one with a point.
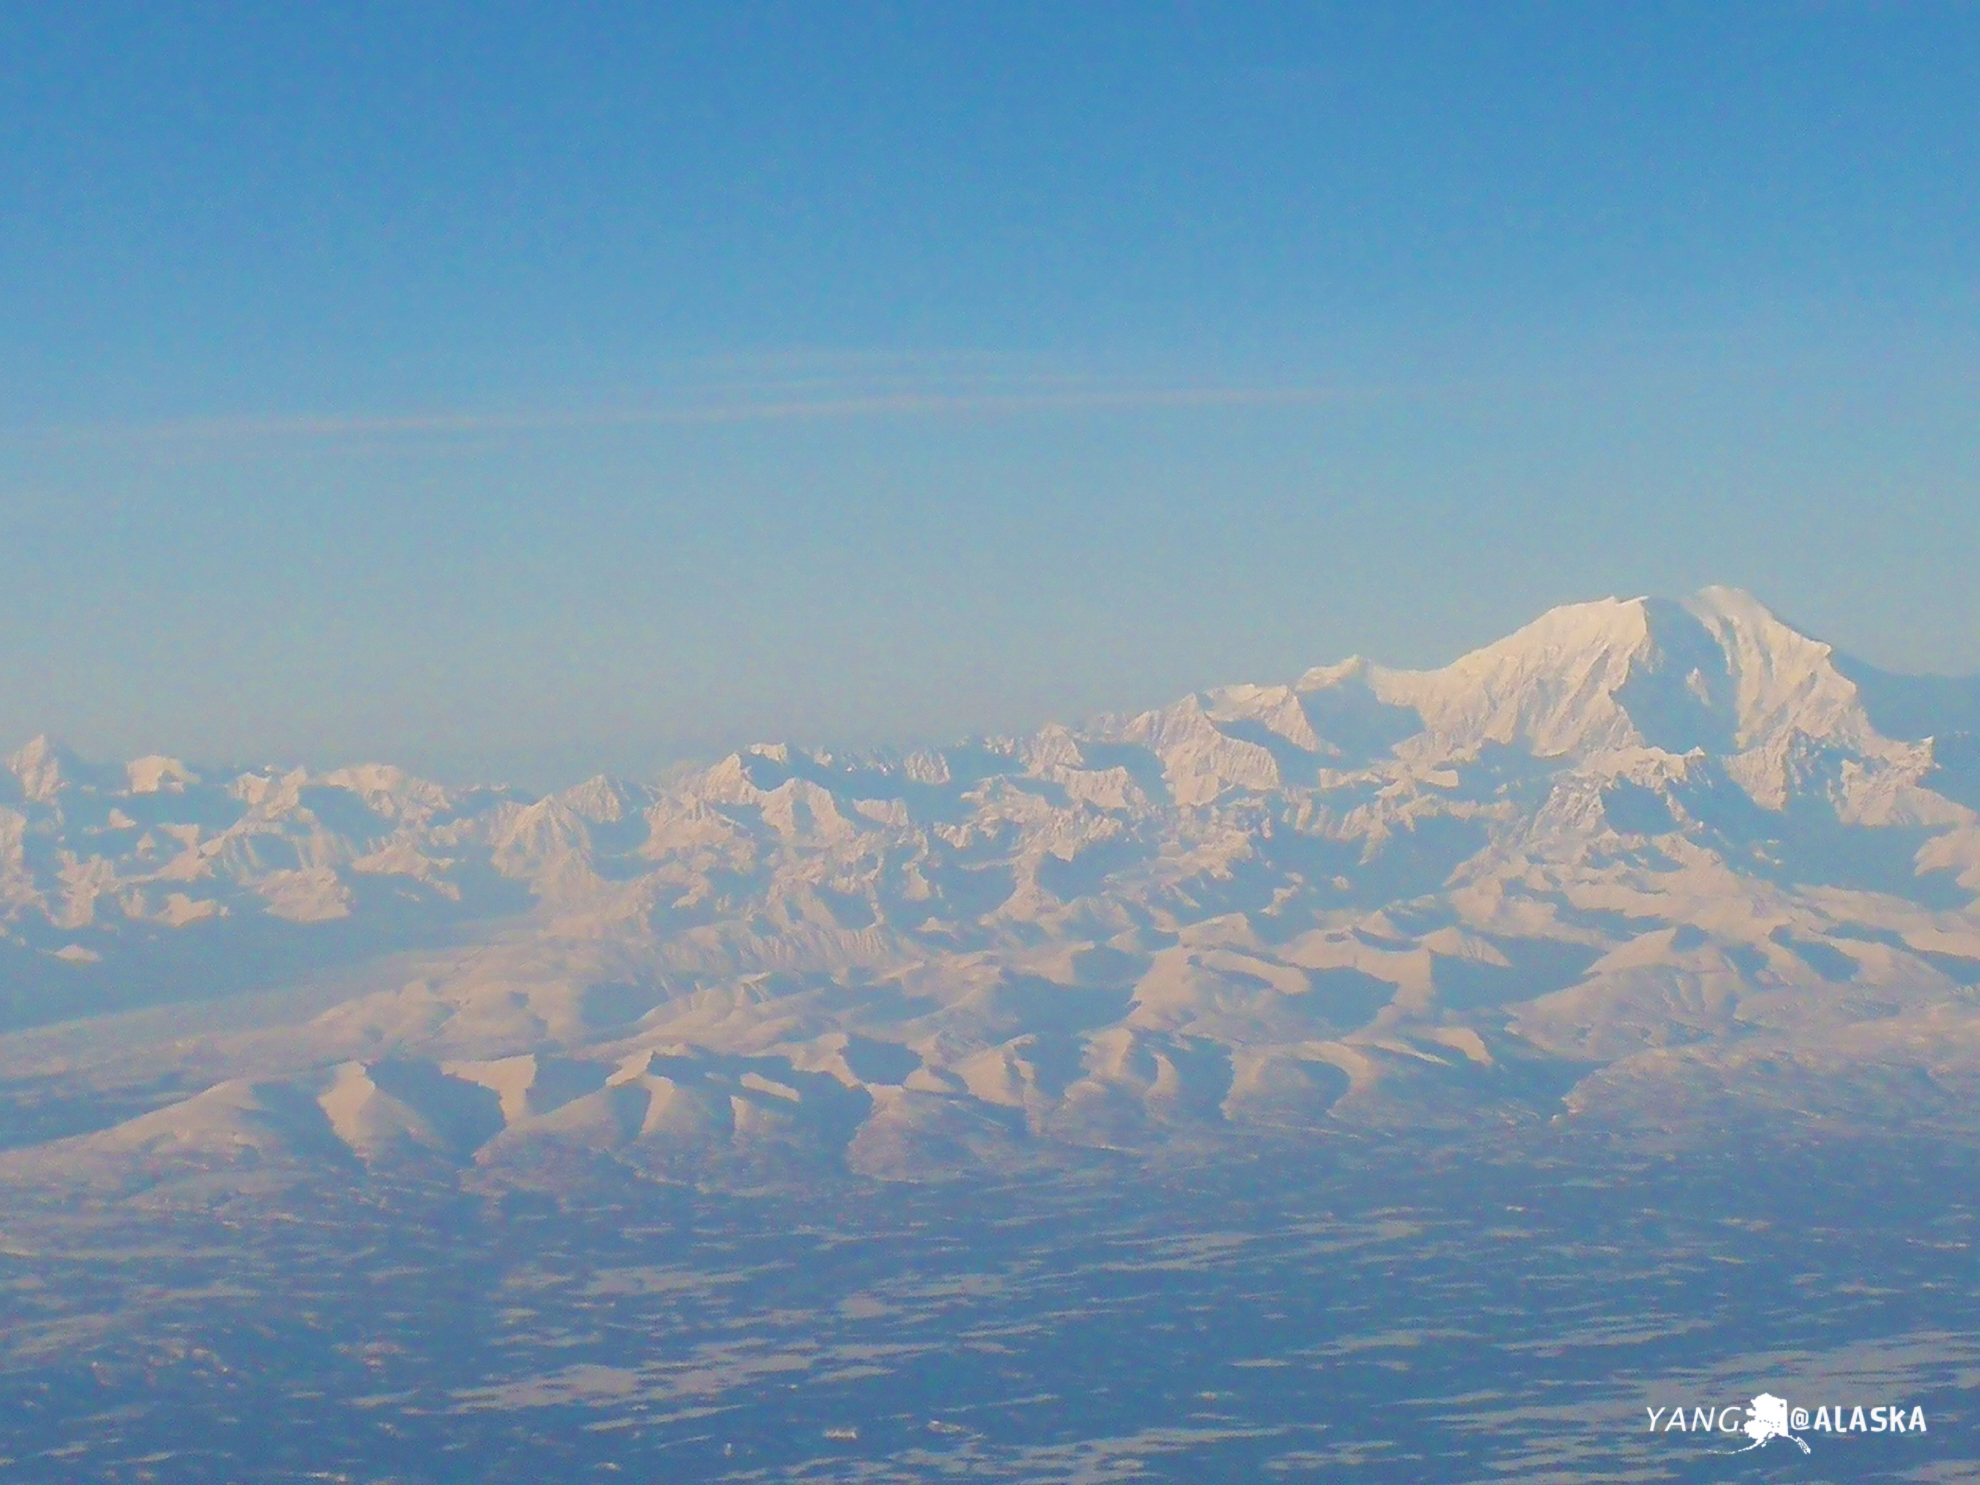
(821, 399)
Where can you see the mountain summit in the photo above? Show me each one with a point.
(1642, 864)
(1716, 672)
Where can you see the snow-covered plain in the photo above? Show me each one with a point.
(1646, 866)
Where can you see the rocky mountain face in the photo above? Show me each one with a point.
(1643, 865)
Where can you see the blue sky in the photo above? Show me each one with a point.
(523, 390)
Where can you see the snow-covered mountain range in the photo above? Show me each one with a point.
(1642, 864)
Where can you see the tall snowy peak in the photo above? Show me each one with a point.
(1782, 681)
(1716, 672)
(1553, 687)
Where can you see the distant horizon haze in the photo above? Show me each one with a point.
(579, 760)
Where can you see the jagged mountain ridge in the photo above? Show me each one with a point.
(1602, 865)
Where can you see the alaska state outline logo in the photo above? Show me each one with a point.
(1767, 1420)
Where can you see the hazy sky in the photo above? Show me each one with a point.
(525, 390)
